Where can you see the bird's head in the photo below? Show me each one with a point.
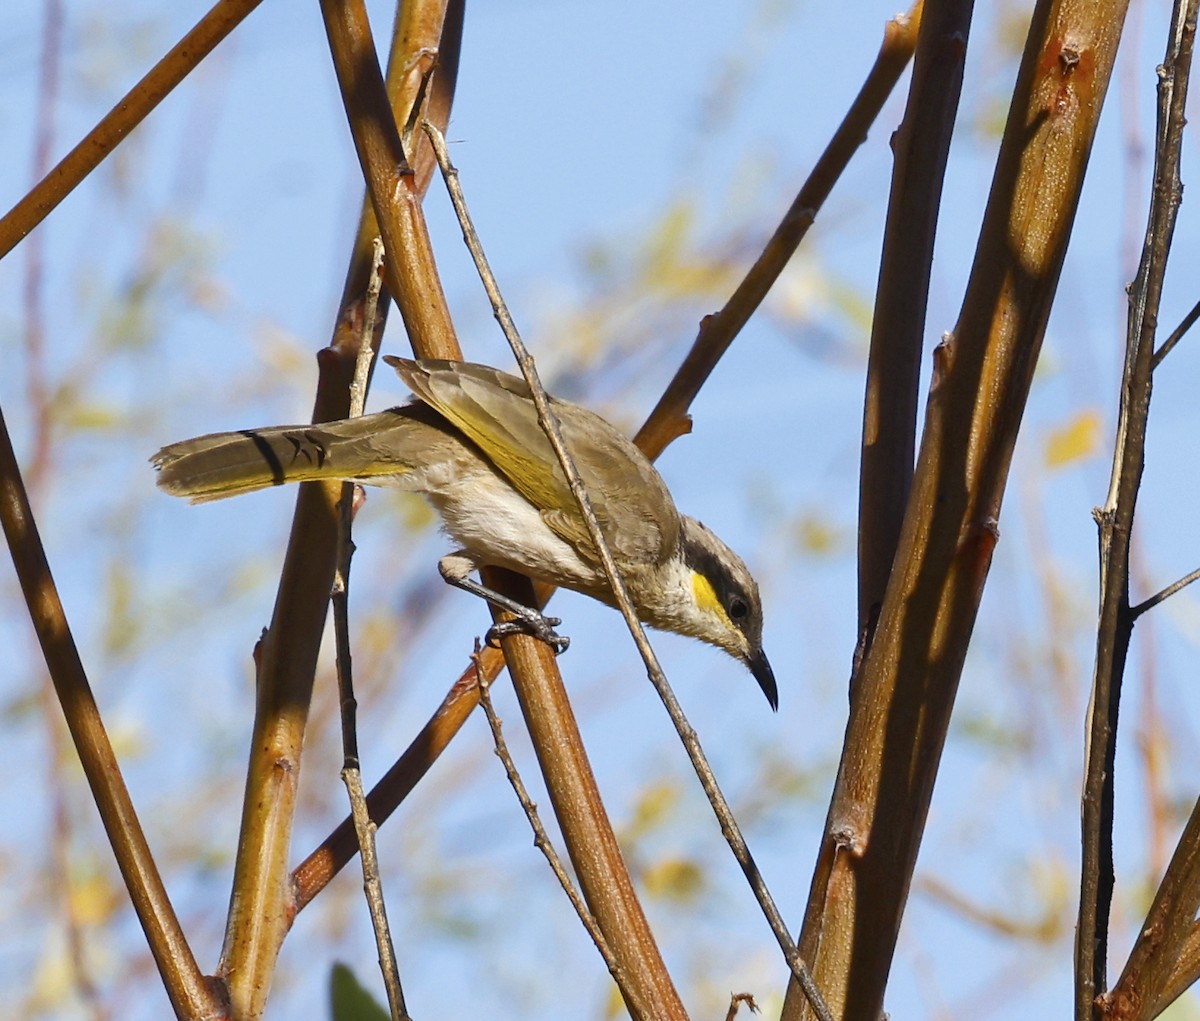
(719, 603)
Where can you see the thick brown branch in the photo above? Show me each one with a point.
(921, 145)
(982, 373)
(191, 995)
(262, 905)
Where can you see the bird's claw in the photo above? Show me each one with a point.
(532, 623)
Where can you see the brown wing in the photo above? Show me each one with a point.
(495, 409)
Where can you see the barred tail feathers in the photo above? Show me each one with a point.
(227, 464)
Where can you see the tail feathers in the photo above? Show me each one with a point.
(226, 464)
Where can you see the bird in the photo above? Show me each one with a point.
(471, 442)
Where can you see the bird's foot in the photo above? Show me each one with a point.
(529, 622)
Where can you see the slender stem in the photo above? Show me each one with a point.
(1176, 336)
(364, 829)
(1160, 596)
(668, 420)
(1116, 518)
(550, 425)
(189, 991)
(541, 839)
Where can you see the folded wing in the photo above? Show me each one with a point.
(496, 411)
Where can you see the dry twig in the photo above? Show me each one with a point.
(364, 829)
(729, 827)
(1115, 522)
(541, 839)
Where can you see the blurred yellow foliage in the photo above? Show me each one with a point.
(677, 879)
(653, 806)
(1075, 440)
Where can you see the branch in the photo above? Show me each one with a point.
(669, 418)
(132, 109)
(1176, 336)
(905, 691)
(261, 905)
(191, 995)
(553, 431)
(921, 147)
(1115, 521)
(1163, 594)
(314, 873)
(364, 829)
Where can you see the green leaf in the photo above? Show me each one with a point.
(349, 1001)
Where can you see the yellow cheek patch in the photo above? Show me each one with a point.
(706, 598)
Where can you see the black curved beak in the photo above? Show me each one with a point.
(757, 662)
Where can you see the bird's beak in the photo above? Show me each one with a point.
(757, 661)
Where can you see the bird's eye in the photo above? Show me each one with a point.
(738, 610)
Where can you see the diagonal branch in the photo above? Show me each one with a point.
(129, 112)
(1176, 335)
(669, 420)
(1163, 594)
(191, 995)
(553, 431)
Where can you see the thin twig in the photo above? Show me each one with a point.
(1176, 336)
(366, 349)
(668, 420)
(550, 425)
(1115, 521)
(1158, 597)
(735, 1003)
(364, 828)
(541, 839)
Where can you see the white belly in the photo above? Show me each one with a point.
(497, 526)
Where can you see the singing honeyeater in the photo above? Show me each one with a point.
(472, 444)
